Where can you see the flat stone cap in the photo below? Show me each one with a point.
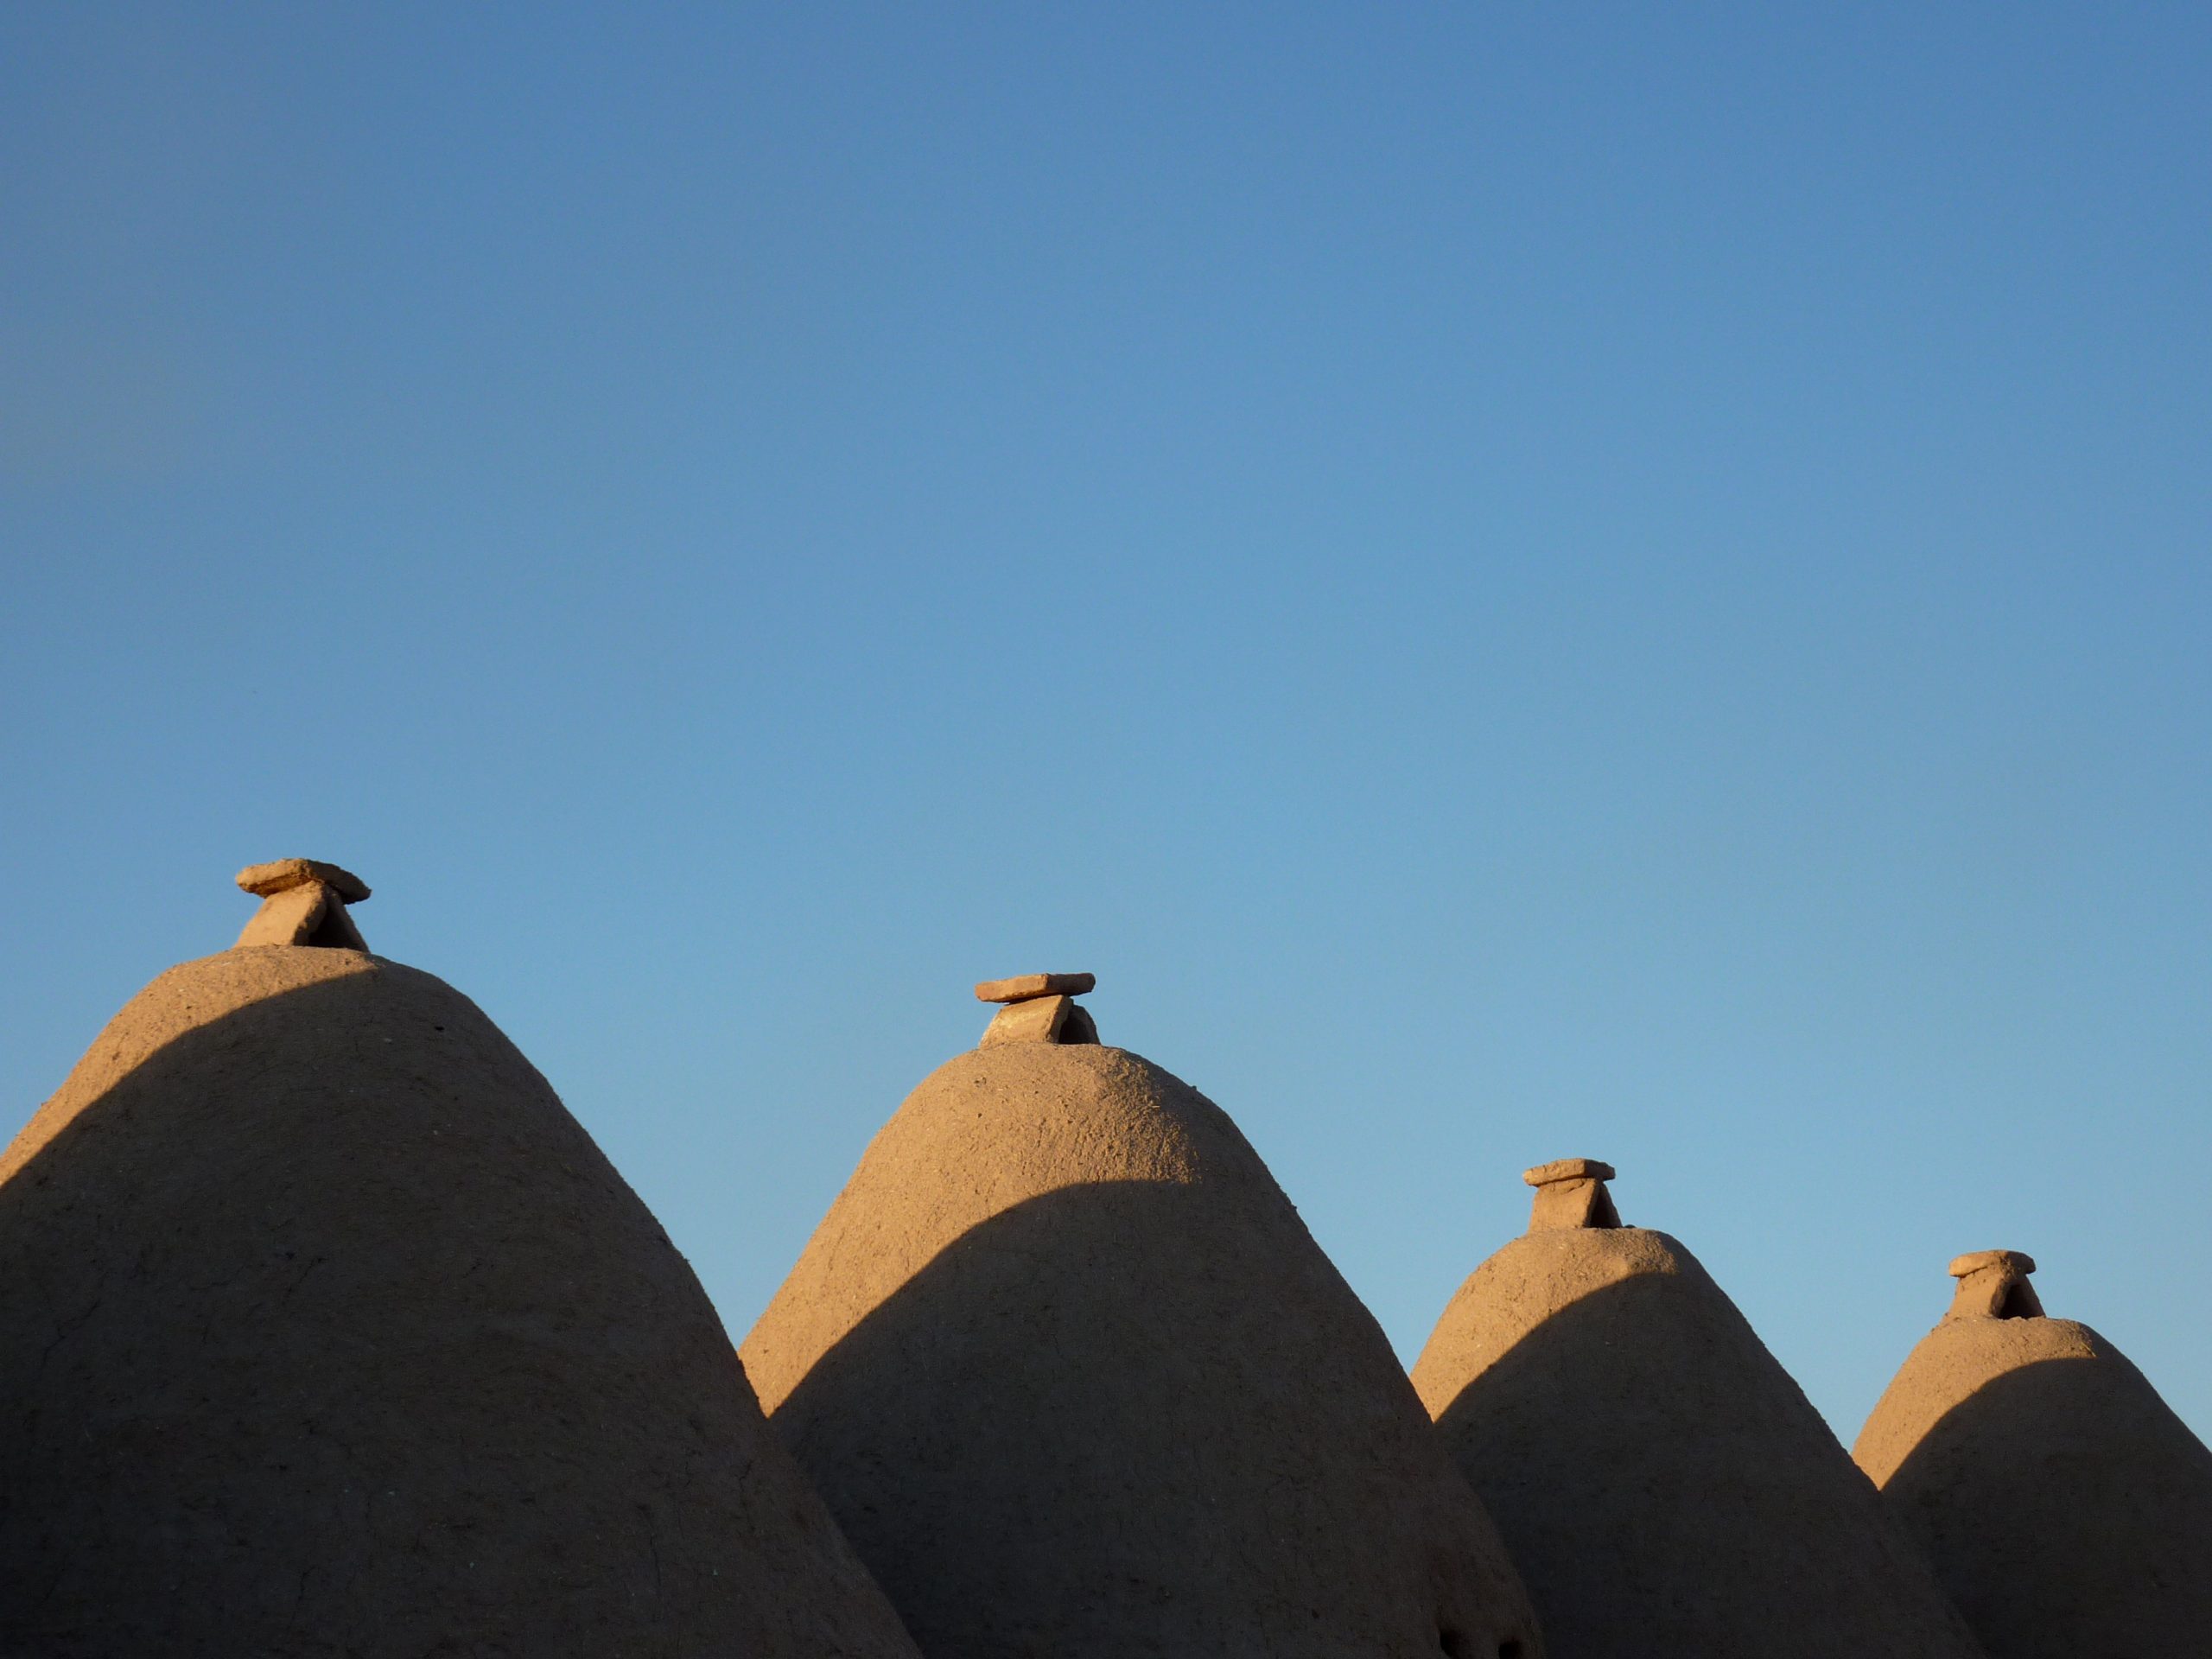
(1027, 987)
(1567, 1169)
(288, 872)
(2018, 1261)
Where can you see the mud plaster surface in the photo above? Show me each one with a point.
(2067, 1511)
(1665, 1486)
(1078, 1382)
(327, 1331)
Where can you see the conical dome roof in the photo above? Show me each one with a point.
(1077, 1381)
(1665, 1486)
(328, 1330)
(2067, 1509)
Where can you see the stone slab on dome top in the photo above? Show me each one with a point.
(1568, 1169)
(286, 874)
(1975, 1261)
(1027, 987)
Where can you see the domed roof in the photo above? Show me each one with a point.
(1077, 1380)
(1664, 1486)
(328, 1330)
(2066, 1507)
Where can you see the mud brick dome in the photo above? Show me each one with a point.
(327, 1331)
(1665, 1487)
(2066, 1507)
(1077, 1381)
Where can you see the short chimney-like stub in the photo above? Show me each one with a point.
(1571, 1192)
(1039, 1008)
(1993, 1285)
(304, 902)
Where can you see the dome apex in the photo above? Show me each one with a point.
(1571, 1192)
(304, 902)
(1993, 1285)
(1038, 1008)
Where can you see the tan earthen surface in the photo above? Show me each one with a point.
(1078, 1383)
(326, 1330)
(2067, 1509)
(1668, 1490)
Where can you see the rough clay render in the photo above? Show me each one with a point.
(1665, 1487)
(326, 1330)
(2066, 1507)
(1078, 1382)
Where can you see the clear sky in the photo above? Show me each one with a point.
(1517, 581)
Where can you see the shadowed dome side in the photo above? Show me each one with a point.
(328, 1330)
(1076, 1379)
(2067, 1509)
(1664, 1486)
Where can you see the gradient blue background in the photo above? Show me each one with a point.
(1517, 584)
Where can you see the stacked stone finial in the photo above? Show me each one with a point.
(1993, 1285)
(1571, 1192)
(304, 902)
(1038, 1008)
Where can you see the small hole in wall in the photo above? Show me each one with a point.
(2019, 1303)
(330, 933)
(1509, 1649)
(1455, 1644)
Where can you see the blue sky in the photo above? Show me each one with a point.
(1631, 584)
